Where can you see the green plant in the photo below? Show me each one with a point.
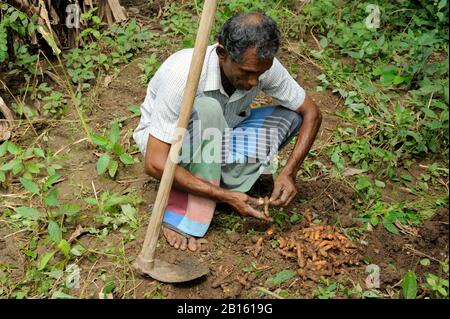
(110, 145)
(107, 49)
(114, 210)
(327, 292)
(437, 285)
(25, 163)
(282, 218)
(409, 285)
(150, 66)
(15, 20)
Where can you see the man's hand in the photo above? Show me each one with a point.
(284, 190)
(247, 206)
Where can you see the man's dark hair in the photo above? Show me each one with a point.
(250, 30)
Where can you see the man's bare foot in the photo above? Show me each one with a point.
(177, 240)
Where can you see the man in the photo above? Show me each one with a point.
(235, 70)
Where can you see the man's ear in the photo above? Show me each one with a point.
(221, 52)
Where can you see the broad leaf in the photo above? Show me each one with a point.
(54, 232)
(102, 164)
(114, 134)
(127, 159)
(45, 259)
(409, 285)
(64, 246)
(280, 277)
(28, 212)
(112, 168)
(99, 140)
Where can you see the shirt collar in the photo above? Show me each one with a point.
(213, 80)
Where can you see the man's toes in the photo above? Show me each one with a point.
(177, 243)
(192, 244)
(183, 243)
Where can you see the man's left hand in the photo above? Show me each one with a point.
(284, 191)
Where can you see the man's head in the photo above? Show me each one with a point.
(247, 46)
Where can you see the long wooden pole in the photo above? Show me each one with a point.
(148, 250)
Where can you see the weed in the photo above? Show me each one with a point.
(110, 145)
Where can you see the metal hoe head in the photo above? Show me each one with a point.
(185, 270)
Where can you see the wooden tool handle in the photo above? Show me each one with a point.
(148, 250)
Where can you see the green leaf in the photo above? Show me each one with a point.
(117, 149)
(38, 152)
(112, 168)
(54, 232)
(2, 177)
(407, 177)
(13, 148)
(280, 277)
(49, 181)
(109, 287)
(70, 209)
(127, 159)
(374, 220)
(102, 164)
(28, 212)
(44, 260)
(99, 140)
(10, 165)
(425, 262)
(429, 113)
(135, 109)
(64, 246)
(51, 199)
(409, 285)
(17, 167)
(380, 184)
(61, 295)
(114, 134)
(34, 168)
(3, 147)
(363, 183)
(129, 211)
(390, 227)
(91, 201)
(77, 250)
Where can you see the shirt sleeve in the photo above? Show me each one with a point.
(279, 84)
(161, 108)
(167, 104)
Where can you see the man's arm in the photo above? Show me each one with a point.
(155, 159)
(284, 189)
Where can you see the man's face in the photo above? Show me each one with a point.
(244, 75)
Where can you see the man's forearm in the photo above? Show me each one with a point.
(184, 180)
(305, 139)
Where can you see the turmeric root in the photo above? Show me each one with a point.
(286, 254)
(266, 206)
(300, 259)
(258, 247)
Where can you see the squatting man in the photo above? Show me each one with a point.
(228, 144)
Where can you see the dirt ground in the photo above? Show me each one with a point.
(230, 242)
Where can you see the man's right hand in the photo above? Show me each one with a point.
(247, 206)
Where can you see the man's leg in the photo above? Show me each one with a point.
(250, 146)
(188, 215)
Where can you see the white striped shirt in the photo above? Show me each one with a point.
(162, 103)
